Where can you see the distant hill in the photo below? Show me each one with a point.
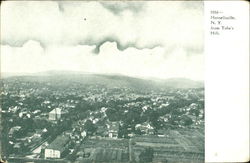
(110, 80)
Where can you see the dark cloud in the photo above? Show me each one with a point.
(120, 46)
(199, 4)
(194, 50)
(60, 7)
(90, 42)
(20, 43)
(97, 38)
(118, 7)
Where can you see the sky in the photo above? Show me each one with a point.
(141, 39)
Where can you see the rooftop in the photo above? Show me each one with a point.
(59, 143)
(56, 111)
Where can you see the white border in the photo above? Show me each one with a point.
(227, 85)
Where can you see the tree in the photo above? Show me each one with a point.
(90, 127)
(147, 155)
(187, 120)
(123, 132)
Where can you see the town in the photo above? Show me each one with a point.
(103, 119)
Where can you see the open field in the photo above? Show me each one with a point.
(182, 145)
(105, 150)
(179, 146)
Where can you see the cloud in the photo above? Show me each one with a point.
(120, 46)
(84, 29)
(167, 23)
(31, 57)
(119, 7)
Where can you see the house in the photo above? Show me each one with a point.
(144, 108)
(24, 114)
(145, 128)
(95, 120)
(113, 128)
(201, 114)
(13, 130)
(131, 134)
(55, 114)
(165, 118)
(57, 148)
(161, 133)
(103, 110)
(83, 134)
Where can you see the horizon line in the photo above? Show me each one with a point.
(8, 74)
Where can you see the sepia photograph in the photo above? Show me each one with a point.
(102, 82)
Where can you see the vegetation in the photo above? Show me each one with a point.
(147, 155)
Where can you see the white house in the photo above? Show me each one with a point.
(52, 153)
(55, 114)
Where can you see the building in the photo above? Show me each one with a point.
(145, 128)
(55, 114)
(165, 118)
(113, 129)
(14, 130)
(57, 148)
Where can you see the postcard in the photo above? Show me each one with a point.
(124, 82)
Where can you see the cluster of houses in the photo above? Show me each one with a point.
(110, 129)
(55, 111)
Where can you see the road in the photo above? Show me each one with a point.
(131, 153)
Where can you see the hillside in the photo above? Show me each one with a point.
(109, 80)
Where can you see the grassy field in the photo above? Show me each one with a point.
(181, 145)
(110, 155)
(106, 150)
